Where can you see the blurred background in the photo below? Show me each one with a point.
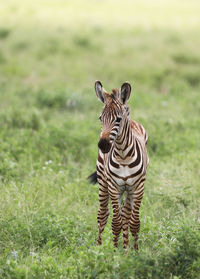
(51, 53)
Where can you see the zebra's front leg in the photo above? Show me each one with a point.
(103, 211)
(117, 218)
(135, 217)
(126, 215)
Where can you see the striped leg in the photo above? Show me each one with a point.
(126, 215)
(103, 210)
(117, 219)
(135, 218)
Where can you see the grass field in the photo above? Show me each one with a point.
(51, 52)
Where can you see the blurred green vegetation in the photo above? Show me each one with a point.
(51, 52)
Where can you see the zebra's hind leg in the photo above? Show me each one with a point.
(103, 211)
(126, 215)
(135, 217)
(117, 218)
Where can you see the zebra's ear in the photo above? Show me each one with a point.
(125, 92)
(100, 91)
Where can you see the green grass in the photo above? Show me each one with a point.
(51, 52)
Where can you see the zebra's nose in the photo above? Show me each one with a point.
(104, 145)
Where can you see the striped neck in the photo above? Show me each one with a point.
(124, 144)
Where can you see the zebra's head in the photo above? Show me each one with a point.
(114, 113)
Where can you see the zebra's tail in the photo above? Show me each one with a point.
(93, 178)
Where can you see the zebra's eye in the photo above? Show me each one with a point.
(100, 118)
(118, 119)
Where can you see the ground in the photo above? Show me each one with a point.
(51, 53)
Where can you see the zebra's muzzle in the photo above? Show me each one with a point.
(104, 145)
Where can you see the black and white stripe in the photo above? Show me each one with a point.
(121, 164)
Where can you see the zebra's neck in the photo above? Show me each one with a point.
(124, 144)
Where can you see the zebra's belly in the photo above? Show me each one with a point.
(128, 184)
(125, 177)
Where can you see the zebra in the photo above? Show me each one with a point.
(121, 165)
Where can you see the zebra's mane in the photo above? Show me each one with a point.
(113, 97)
(115, 93)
